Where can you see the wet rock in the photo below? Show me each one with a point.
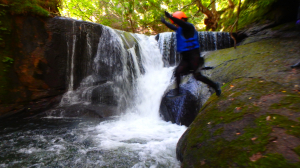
(258, 32)
(104, 94)
(184, 107)
(181, 109)
(45, 49)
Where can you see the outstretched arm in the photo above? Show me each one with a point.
(188, 29)
(179, 22)
(169, 25)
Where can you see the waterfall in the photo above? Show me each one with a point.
(131, 68)
(119, 63)
(141, 129)
(107, 71)
(209, 41)
(119, 70)
(132, 72)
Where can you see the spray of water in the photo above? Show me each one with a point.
(140, 129)
(138, 138)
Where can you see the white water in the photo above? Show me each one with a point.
(138, 138)
(140, 129)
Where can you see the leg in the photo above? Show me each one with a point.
(198, 76)
(197, 63)
(204, 79)
(297, 65)
(180, 69)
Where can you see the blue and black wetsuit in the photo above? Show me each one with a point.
(190, 52)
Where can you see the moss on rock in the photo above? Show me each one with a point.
(254, 122)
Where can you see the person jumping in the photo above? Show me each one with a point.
(189, 48)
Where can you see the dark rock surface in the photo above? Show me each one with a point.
(184, 107)
(42, 52)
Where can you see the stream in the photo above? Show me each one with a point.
(138, 137)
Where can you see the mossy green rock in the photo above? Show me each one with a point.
(255, 122)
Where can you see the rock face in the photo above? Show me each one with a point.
(35, 74)
(46, 54)
(255, 122)
(47, 57)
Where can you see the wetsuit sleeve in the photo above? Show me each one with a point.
(169, 25)
(182, 24)
(188, 29)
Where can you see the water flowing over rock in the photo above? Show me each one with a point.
(184, 108)
(105, 77)
(90, 63)
(102, 72)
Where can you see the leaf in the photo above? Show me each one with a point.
(253, 139)
(238, 108)
(255, 157)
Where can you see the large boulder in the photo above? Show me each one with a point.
(183, 108)
(254, 123)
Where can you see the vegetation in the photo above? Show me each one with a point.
(251, 11)
(144, 16)
(36, 7)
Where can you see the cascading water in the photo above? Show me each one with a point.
(140, 131)
(138, 137)
(127, 71)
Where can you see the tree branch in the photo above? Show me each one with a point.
(203, 9)
(83, 14)
(211, 3)
(231, 35)
(192, 3)
(231, 4)
(238, 15)
(235, 24)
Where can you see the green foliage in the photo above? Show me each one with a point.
(132, 15)
(7, 63)
(8, 60)
(36, 7)
(251, 11)
(144, 16)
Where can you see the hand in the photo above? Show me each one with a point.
(168, 15)
(162, 19)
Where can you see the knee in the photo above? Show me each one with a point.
(198, 75)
